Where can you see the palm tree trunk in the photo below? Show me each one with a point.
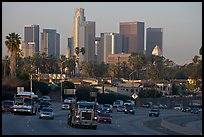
(13, 55)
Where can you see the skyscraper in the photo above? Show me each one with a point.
(83, 37)
(31, 35)
(154, 36)
(79, 20)
(50, 42)
(132, 36)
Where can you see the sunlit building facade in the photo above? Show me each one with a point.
(154, 36)
(132, 37)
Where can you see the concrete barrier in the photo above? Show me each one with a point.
(178, 129)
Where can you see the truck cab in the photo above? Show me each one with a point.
(83, 114)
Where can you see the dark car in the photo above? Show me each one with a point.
(120, 108)
(186, 109)
(105, 117)
(43, 104)
(7, 106)
(154, 112)
(129, 109)
(195, 110)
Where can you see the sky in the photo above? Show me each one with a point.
(181, 22)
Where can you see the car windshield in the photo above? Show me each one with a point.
(104, 115)
(154, 110)
(8, 103)
(47, 109)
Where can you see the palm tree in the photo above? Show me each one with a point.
(12, 43)
(82, 51)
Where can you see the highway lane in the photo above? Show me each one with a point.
(122, 124)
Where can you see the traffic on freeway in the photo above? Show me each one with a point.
(139, 123)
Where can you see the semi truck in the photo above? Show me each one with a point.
(83, 114)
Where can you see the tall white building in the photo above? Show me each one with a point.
(111, 43)
(83, 37)
(79, 20)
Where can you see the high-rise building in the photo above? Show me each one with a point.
(132, 36)
(111, 43)
(90, 41)
(154, 36)
(98, 49)
(79, 20)
(31, 35)
(50, 42)
(69, 52)
(83, 37)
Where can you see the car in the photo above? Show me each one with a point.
(129, 103)
(195, 110)
(154, 112)
(177, 107)
(104, 110)
(66, 106)
(46, 112)
(109, 107)
(105, 117)
(117, 103)
(69, 100)
(120, 108)
(45, 98)
(43, 104)
(186, 109)
(147, 105)
(7, 106)
(129, 109)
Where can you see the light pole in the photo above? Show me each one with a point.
(31, 89)
(131, 74)
(61, 77)
(118, 67)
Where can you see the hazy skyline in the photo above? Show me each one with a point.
(181, 21)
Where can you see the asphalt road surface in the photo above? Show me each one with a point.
(122, 124)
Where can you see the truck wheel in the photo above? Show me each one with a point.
(95, 127)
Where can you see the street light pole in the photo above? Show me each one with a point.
(31, 89)
(131, 74)
(61, 78)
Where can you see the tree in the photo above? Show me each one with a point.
(77, 51)
(12, 42)
(82, 50)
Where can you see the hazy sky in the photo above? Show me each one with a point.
(181, 21)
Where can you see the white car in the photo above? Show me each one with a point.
(118, 103)
(45, 98)
(46, 112)
(66, 106)
(69, 100)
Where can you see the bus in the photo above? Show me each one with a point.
(25, 102)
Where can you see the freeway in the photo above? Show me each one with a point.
(122, 124)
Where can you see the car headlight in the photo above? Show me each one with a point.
(77, 116)
(95, 117)
(125, 109)
(131, 110)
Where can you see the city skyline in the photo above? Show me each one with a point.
(181, 21)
